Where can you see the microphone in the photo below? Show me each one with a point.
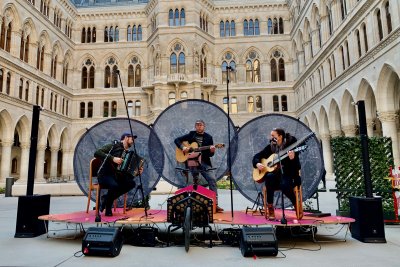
(116, 71)
(116, 142)
(274, 140)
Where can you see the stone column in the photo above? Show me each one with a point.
(67, 168)
(300, 58)
(370, 127)
(5, 159)
(327, 154)
(53, 161)
(24, 162)
(388, 120)
(39, 176)
(349, 130)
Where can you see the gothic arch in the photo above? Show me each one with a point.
(314, 123)
(235, 56)
(83, 60)
(250, 49)
(65, 138)
(42, 136)
(348, 110)
(53, 136)
(366, 93)
(22, 126)
(323, 121)
(334, 116)
(6, 133)
(388, 89)
(10, 12)
(30, 29)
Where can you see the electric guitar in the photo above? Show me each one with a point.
(194, 147)
(271, 163)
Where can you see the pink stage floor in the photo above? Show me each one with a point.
(137, 216)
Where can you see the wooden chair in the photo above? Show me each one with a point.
(298, 193)
(94, 167)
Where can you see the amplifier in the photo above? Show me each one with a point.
(145, 236)
(99, 241)
(259, 241)
(231, 236)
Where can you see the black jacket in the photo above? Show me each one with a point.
(207, 141)
(109, 166)
(290, 167)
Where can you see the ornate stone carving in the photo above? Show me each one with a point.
(388, 116)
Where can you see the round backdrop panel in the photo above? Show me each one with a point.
(177, 120)
(254, 136)
(106, 132)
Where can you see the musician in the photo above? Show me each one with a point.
(117, 183)
(200, 163)
(290, 165)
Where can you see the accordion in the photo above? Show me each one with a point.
(131, 163)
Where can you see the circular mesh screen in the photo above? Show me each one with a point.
(177, 120)
(254, 136)
(104, 133)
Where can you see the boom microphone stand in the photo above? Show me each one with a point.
(228, 69)
(140, 187)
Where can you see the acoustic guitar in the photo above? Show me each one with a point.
(271, 163)
(194, 147)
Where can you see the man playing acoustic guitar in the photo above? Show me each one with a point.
(274, 179)
(199, 162)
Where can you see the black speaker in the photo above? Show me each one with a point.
(29, 209)
(145, 236)
(102, 241)
(260, 241)
(368, 213)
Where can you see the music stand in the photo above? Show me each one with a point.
(256, 206)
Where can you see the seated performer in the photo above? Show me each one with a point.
(200, 163)
(274, 179)
(117, 183)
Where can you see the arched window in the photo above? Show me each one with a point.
(171, 17)
(346, 44)
(21, 88)
(233, 28)
(203, 64)
(130, 108)
(253, 68)
(129, 33)
(319, 33)
(284, 103)
(270, 28)
(184, 95)
(250, 104)
(24, 49)
(65, 73)
(177, 59)
(221, 29)
(176, 18)
(182, 18)
(26, 91)
(251, 27)
(259, 104)
(245, 28)
(134, 33)
(5, 38)
(342, 57)
(87, 79)
(82, 110)
(1, 79)
(228, 61)
(227, 28)
(234, 105)
(110, 73)
(90, 110)
(139, 33)
(379, 22)
(358, 43)
(54, 67)
(275, 26)
(275, 102)
(364, 29)
(277, 66)
(256, 27)
(134, 72)
(343, 9)
(106, 34)
(106, 109)
(40, 57)
(114, 109)
(281, 30)
(8, 83)
(388, 17)
(83, 36)
(171, 98)
(88, 35)
(94, 35)
(138, 108)
(330, 26)
(330, 70)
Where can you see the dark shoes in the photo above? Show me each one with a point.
(219, 209)
(108, 212)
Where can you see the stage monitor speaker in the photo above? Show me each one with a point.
(369, 226)
(145, 236)
(29, 209)
(260, 241)
(102, 241)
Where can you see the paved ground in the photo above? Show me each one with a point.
(44, 251)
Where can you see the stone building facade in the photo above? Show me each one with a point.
(311, 59)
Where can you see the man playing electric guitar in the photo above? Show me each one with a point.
(274, 179)
(200, 161)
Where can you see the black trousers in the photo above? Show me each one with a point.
(117, 185)
(276, 181)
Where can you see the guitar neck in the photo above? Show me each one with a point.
(201, 148)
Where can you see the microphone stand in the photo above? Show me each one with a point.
(228, 69)
(283, 220)
(98, 216)
(140, 187)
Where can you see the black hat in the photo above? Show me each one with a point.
(127, 135)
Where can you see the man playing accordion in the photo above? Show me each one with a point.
(117, 182)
